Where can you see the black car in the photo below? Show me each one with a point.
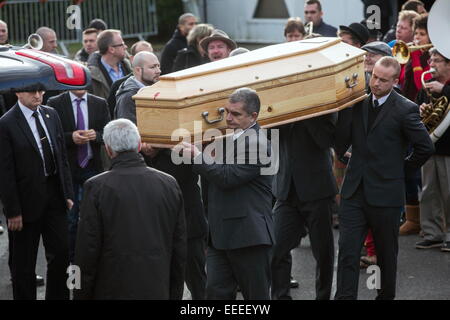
(24, 68)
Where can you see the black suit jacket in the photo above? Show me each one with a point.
(379, 154)
(131, 241)
(196, 223)
(305, 159)
(21, 166)
(112, 101)
(239, 200)
(98, 117)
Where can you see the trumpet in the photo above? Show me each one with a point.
(34, 42)
(402, 51)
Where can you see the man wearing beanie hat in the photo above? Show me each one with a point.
(355, 34)
(218, 45)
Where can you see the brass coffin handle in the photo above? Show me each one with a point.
(355, 82)
(205, 115)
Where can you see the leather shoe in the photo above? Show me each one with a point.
(367, 261)
(445, 246)
(39, 281)
(294, 283)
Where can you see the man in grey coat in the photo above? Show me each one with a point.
(146, 71)
(240, 205)
(132, 233)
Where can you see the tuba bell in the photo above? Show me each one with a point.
(436, 114)
(34, 42)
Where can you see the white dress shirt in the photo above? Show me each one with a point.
(381, 100)
(28, 113)
(239, 132)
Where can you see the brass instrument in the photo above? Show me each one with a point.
(402, 51)
(309, 28)
(34, 42)
(434, 113)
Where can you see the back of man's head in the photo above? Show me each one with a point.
(415, 5)
(98, 24)
(141, 46)
(120, 136)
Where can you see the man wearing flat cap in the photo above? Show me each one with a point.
(218, 45)
(375, 51)
(355, 34)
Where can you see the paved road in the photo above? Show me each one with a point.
(422, 274)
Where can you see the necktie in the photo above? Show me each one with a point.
(49, 162)
(82, 154)
(375, 103)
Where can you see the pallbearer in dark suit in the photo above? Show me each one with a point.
(305, 188)
(379, 129)
(240, 203)
(36, 190)
(83, 117)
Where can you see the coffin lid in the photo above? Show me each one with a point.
(271, 62)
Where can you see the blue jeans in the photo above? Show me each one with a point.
(79, 176)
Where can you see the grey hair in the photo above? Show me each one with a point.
(121, 135)
(249, 99)
(182, 19)
(44, 31)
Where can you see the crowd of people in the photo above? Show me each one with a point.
(74, 171)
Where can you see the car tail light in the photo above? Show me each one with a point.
(66, 71)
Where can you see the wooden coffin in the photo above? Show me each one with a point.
(294, 80)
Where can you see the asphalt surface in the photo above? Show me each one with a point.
(422, 274)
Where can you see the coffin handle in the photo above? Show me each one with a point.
(355, 82)
(205, 115)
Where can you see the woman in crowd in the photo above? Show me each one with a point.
(193, 55)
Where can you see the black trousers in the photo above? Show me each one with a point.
(248, 268)
(195, 267)
(290, 219)
(24, 249)
(355, 217)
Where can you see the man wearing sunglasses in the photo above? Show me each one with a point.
(314, 13)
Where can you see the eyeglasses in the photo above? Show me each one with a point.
(119, 45)
(310, 12)
(430, 61)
